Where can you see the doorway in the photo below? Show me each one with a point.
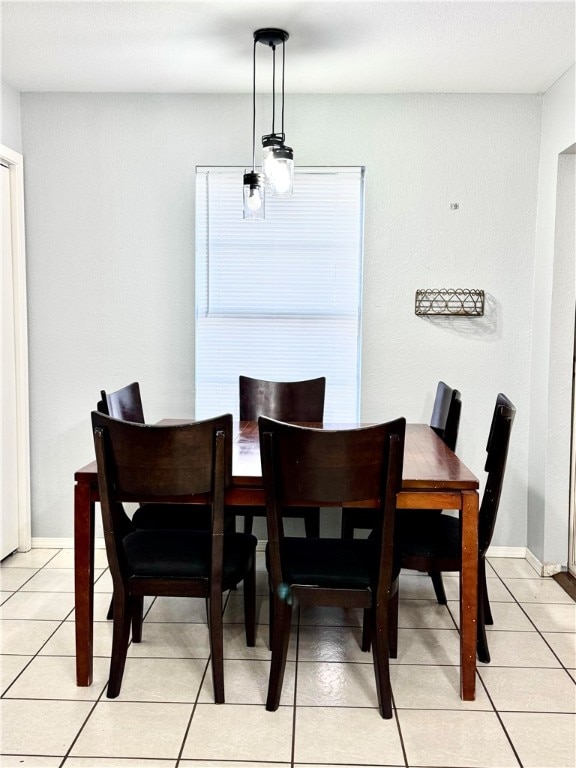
(14, 431)
(565, 243)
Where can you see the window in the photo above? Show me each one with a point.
(279, 299)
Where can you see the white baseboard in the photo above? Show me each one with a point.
(506, 552)
(544, 569)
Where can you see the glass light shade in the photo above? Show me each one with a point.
(254, 197)
(278, 169)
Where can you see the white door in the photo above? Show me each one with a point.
(572, 534)
(8, 432)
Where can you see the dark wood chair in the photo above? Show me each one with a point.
(142, 462)
(304, 465)
(435, 547)
(294, 401)
(126, 404)
(445, 421)
(446, 411)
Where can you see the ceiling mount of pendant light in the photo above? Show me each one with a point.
(277, 157)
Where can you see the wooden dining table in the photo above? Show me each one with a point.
(433, 478)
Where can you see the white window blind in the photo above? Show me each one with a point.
(279, 299)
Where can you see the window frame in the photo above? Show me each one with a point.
(349, 323)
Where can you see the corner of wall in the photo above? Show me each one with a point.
(10, 122)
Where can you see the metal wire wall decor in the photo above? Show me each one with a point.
(450, 302)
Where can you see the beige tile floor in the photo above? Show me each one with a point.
(524, 713)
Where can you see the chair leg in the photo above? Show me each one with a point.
(393, 625)
(137, 618)
(481, 638)
(280, 639)
(347, 526)
(248, 523)
(110, 614)
(438, 585)
(312, 523)
(381, 664)
(120, 639)
(250, 604)
(486, 602)
(366, 629)
(229, 520)
(270, 618)
(217, 646)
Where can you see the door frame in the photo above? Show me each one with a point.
(15, 163)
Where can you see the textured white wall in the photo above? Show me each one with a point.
(10, 133)
(552, 346)
(110, 234)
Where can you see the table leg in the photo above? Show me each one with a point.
(84, 581)
(468, 594)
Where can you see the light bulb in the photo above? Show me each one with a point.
(280, 176)
(268, 162)
(254, 201)
(278, 167)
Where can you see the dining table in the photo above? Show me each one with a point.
(433, 478)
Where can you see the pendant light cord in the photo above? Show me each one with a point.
(254, 108)
(273, 88)
(283, 70)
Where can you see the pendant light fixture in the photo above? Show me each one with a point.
(277, 158)
(254, 198)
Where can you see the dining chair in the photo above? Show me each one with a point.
(304, 465)
(445, 419)
(143, 462)
(436, 547)
(296, 401)
(126, 404)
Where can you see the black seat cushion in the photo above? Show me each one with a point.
(335, 563)
(298, 512)
(183, 516)
(412, 518)
(177, 554)
(435, 536)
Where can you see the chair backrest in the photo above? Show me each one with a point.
(125, 403)
(283, 400)
(304, 466)
(497, 450)
(139, 462)
(445, 418)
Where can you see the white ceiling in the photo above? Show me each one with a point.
(334, 47)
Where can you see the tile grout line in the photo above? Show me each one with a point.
(37, 654)
(295, 699)
(292, 763)
(498, 715)
(190, 719)
(519, 604)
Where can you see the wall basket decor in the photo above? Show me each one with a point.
(450, 302)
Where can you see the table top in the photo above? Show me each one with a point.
(428, 462)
